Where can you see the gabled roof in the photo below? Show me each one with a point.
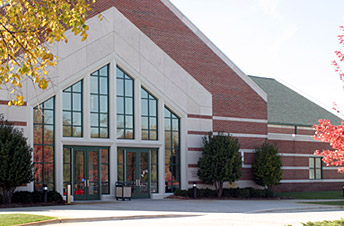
(287, 107)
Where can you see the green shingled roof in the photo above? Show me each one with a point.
(287, 107)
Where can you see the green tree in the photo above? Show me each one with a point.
(220, 161)
(267, 169)
(15, 159)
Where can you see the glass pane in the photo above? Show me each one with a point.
(144, 135)
(77, 131)
(144, 173)
(152, 123)
(318, 162)
(120, 121)
(103, 120)
(37, 134)
(48, 173)
(153, 135)
(94, 84)
(120, 173)
(94, 103)
(318, 174)
(66, 101)
(168, 124)
(37, 116)
(38, 172)
(66, 155)
(77, 87)
(144, 121)
(120, 87)
(311, 162)
(168, 140)
(49, 104)
(77, 102)
(104, 133)
(144, 107)
(67, 118)
(104, 71)
(129, 134)
(48, 134)
(79, 167)
(38, 153)
(103, 104)
(94, 132)
(175, 124)
(120, 133)
(129, 122)
(119, 73)
(67, 131)
(154, 173)
(93, 170)
(152, 107)
(131, 166)
(48, 154)
(144, 93)
(48, 117)
(79, 188)
(103, 86)
(129, 106)
(129, 88)
(311, 174)
(77, 119)
(66, 173)
(104, 156)
(104, 172)
(105, 187)
(154, 157)
(94, 119)
(120, 156)
(120, 105)
(167, 113)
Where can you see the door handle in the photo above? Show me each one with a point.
(85, 181)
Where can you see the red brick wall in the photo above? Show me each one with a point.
(239, 127)
(299, 147)
(231, 95)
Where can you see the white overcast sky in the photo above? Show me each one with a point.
(290, 40)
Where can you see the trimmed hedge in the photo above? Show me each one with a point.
(26, 197)
(242, 193)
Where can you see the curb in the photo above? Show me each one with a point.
(117, 218)
(297, 209)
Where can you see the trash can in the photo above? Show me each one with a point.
(123, 190)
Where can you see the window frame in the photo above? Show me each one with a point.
(313, 169)
(149, 116)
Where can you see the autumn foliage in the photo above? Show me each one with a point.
(332, 134)
(28, 28)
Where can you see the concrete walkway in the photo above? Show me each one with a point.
(279, 212)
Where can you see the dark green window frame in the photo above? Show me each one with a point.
(172, 151)
(125, 105)
(149, 116)
(315, 168)
(73, 110)
(99, 103)
(44, 144)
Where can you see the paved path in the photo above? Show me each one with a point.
(187, 212)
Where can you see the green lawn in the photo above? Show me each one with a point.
(15, 219)
(325, 223)
(332, 203)
(311, 195)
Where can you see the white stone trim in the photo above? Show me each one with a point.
(243, 135)
(312, 181)
(296, 155)
(295, 168)
(291, 137)
(216, 50)
(240, 119)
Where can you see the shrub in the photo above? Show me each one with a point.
(220, 161)
(244, 193)
(179, 192)
(54, 196)
(1, 199)
(267, 169)
(24, 197)
(205, 193)
(15, 159)
(37, 196)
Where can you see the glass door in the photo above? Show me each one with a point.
(138, 172)
(86, 174)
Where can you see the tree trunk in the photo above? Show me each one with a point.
(8, 193)
(219, 188)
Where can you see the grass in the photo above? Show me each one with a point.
(311, 195)
(332, 203)
(15, 219)
(325, 223)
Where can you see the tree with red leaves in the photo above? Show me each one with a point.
(332, 134)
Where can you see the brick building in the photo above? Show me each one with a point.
(133, 102)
